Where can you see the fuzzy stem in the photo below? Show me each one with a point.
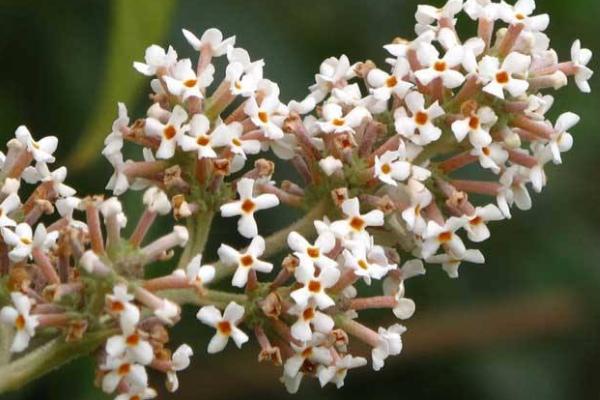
(199, 230)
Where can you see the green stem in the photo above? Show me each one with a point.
(198, 228)
(278, 241)
(209, 297)
(46, 358)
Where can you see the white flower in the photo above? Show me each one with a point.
(514, 191)
(355, 222)
(477, 126)
(482, 9)
(476, 228)
(179, 361)
(198, 139)
(420, 198)
(122, 369)
(119, 304)
(184, 82)
(157, 201)
(492, 157)
(307, 316)
(334, 120)
(521, 12)
(317, 355)
(385, 85)
(450, 263)
(330, 165)
(196, 273)
(338, 371)
(156, 59)
(313, 288)
(389, 169)
(114, 141)
(332, 73)
(247, 205)
(244, 76)
(168, 133)
(137, 393)
(562, 141)
(211, 38)
(23, 240)
(498, 79)
(390, 344)
(315, 253)
(19, 318)
(226, 325)
(437, 235)
(41, 173)
(393, 286)
(131, 346)
(367, 260)
(168, 312)
(421, 120)
(427, 15)
(245, 261)
(581, 58)
(42, 149)
(10, 204)
(230, 135)
(267, 116)
(442, 68)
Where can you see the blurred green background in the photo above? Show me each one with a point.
(524, 326)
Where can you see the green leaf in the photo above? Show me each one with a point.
(136, 24)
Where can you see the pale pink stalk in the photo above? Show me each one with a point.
(478, 187)
(367, 303)
(94, 228)
(485, 30)
(361, 332)
(45, 266)
(544, 130)
(142, 228)
(457, 162)
(509, 40)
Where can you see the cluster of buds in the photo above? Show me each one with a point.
(380, 155)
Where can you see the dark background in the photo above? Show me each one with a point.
(524, 326)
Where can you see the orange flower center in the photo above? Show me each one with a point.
(224, 327)
(440, 66)
(124, 369)
(26, 241)
(169, 132)
(248, 206)
(190, 83)
(357, 223)
(308, 314)
(236, 142)
(421, 118)
(314, 286)
(476, 221)
(502, 77)
(486, 151)
(133, 340)
(20, 323)
(116, 306)
(386, 169)
(391, 81)
(313, 252)
(203, 140)
(445, 237)
(338, 122)
(363, 264)
(246, 260)
(474, 123)
(263, 116)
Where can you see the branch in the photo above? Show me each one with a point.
(46, 358)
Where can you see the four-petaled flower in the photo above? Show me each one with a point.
(19, 317)
(246, 261)
(226, 325)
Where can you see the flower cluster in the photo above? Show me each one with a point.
(379, 153)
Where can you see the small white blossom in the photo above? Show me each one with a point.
(330, 165)
(19, 317)
(267, 117)
(311, 352)
(157, 59)
(420, 197)
(157, 201)
(247, 205)
(500, 78)
(168, 133)
(421, 120)
(114, 141)
(198, 139)
(42, 149)
(355, 222)
(562, 141)
(581, 58)
(450, 263)
(179, 361)
(196, 273)
(119, 304)
(476, 227)
(314, 286)
(10, 204)
(23, 240)
(211, 38)
(334, 120)
(437, 235)
(337, 372)
(245, 261)
(390, 344)
(385, 85)
(477, 127)
(309, 316)
(367, 260)
(184, 82)
(442, 68)
(521, 12)
(492, 157)
(231, 135)
(390, 169)
(317, 252)
(226, 325)
(131, 346)
(121, 369)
